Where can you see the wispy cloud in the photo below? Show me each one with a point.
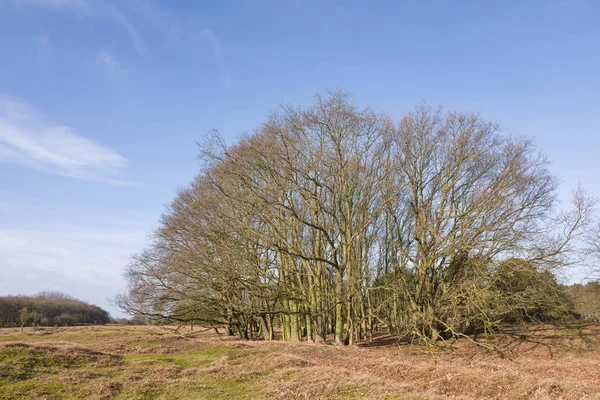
(43, 40)
(81, 260)
(92, 9)
(28, 139)
(217, 49)
(55, 4)
(109, 64)
(183, 32)
(45, 49)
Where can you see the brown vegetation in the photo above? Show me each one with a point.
(541, 362)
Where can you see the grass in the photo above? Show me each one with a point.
(30, 372)
(55, 366)
(184, 360)
(149, 363)
(21, 362)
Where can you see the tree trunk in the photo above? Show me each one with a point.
(339, 307)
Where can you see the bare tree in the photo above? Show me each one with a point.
(331, 220)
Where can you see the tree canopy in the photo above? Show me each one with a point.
(335, 219)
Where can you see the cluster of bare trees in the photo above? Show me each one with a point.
(334, 219)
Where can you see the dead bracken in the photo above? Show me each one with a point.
(538, 362)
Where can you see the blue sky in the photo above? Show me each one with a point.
(102, 102)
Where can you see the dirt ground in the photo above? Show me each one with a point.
(126, 362)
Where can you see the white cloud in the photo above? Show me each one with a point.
(81, 260)
(182, 31)
(28, 139)
(55, 4)
(109, 64)
(217, 49)
(99, 9)
(44, 45)
(43, 40)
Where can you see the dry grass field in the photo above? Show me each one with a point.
(123, 362)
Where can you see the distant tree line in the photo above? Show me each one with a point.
(586, 300)
(337, 220)
(49, 309)
(134, 320)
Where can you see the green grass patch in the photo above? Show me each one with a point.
(202, 387)
(35, 389)
(146, 342)
(187, 360)
(21, 361)
(37, 370)
(351, 392)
